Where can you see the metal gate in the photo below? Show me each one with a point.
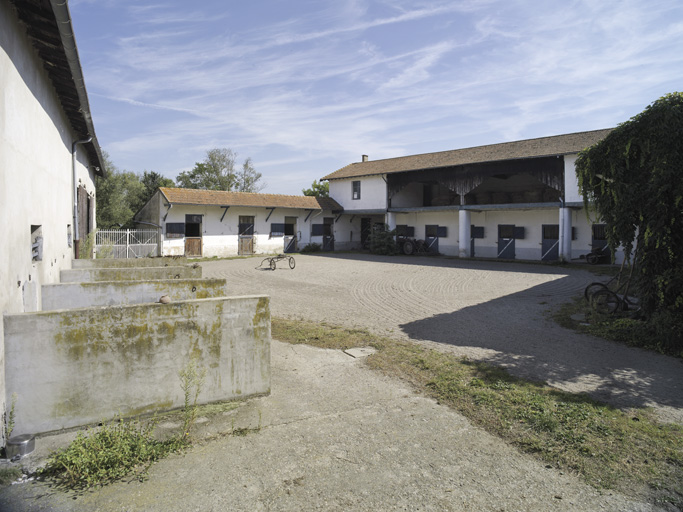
(126, 243)
(550, 242)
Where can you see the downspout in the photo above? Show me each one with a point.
(75, 191)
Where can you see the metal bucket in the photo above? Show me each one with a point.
(20, 445)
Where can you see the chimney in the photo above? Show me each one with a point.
(364, 158)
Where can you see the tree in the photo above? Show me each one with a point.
(318, 189)
(152, 181)
(634, 180)
(247, 180)
(119, 196)
(217, 172)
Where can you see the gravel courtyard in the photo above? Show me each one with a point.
(487, 310)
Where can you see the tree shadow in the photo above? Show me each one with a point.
(516, 332)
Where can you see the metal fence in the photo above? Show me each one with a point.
(126, 243)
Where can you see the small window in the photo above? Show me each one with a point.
(599, 232)
(175, 230)
(356, 190)
(431, 231)
(477, 231)
(246, 225)
(506, 231)
(290, 226)
(403, 230)
(277, 229)
(36, 243)
(551, 231)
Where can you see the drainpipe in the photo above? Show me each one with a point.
(75, 190)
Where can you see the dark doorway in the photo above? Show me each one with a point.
(550, 242)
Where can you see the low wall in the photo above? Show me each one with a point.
(76, 367)
(128, 262)
(116, 293)
(128, 274)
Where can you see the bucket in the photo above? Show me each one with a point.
(20, 445)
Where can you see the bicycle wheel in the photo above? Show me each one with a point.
(605, 302)
(592, 288)
(272, 264)
(292, 263)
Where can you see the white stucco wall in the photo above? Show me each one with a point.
(571, 183)
(220, 238)
(373, 193)
(411, 195)
(35, 174)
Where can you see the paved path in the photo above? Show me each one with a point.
(494, 311)
(335, 436)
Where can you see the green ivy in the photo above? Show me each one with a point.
(633, 179)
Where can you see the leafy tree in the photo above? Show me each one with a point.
(119, 196)
(318, 189)
(152, 181)
(217, 172)
(247, 180)
(634, 180)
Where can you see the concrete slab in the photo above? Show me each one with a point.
(360, 352)
(334, 435)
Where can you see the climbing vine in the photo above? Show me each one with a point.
(633, 180)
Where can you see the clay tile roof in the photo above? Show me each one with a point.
(222, 198)
(531, 148)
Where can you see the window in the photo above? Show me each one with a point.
(175, 230)
(599, 232)
(277, 229)
(246, 225)
(290, 226)
(356, 190)
(551, 231)
(36, 243)
(431, 231)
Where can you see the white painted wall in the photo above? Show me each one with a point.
(409, 196)
(35, 174)
(373, 194)
(571, 183)
(220, 238)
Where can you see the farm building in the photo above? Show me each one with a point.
(211, 223)
(516, 200)
(49, 154)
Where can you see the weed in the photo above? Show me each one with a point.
(9, 418)
(191, 381)
(9, 475)
(111, 452)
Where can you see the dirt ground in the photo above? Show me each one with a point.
(486, 310)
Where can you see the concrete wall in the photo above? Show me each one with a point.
(571, 182)
(373, 193)
(129, 262)
(80, 275)
(113, 293)
(35, 174)
(76, 367)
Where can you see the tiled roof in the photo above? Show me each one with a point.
(222, 198)
(531, 148)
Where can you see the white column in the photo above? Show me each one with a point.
(391, 220)
(565, 234)
(464, 234)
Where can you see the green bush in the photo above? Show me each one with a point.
(382, 240)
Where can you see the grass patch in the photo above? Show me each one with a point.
(9, 475)
(662, 333)
(629, 451)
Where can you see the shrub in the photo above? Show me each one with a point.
(312, 247)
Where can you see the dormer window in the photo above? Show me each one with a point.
(356, 190)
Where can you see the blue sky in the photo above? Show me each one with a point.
(304, 87)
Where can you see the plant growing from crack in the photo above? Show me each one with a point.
(191, 381)
(9, 417)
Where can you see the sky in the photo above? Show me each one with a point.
(305, 87)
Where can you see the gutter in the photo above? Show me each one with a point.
(60, 8)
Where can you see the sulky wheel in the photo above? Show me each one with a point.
(605, 302)
(408, 247)
(272, 264)
(592, 288)
(292, 263)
